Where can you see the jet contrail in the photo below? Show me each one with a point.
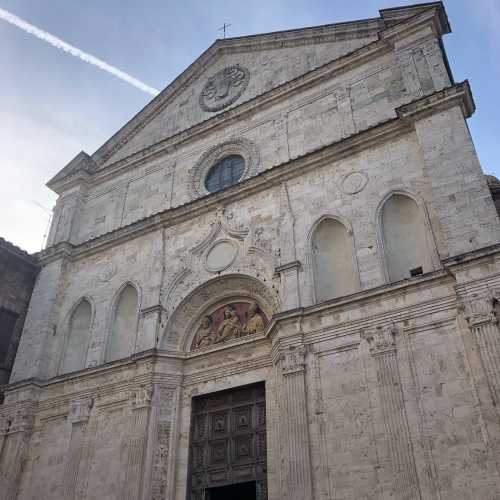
(60, 44)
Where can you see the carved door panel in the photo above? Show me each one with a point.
(228, 441)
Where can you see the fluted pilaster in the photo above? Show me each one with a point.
(296, 460)
(136, 443)
(78, 416)
(479, 311)
(16, 434)
(383, 351)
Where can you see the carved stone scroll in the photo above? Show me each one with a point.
(479, 311)
(382, 341)
(295, 458)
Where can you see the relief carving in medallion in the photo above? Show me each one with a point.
(224, 88)
(234, 320)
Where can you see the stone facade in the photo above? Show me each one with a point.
(18, 272)
(155, 292)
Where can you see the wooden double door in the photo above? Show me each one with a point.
(227, 455)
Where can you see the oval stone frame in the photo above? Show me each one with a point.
(223, 80)
(226, 260)
(237, 146)
(354, 182)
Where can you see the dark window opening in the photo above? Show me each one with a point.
(416, 271)
(225, 173)
(241, 491)
(8, 321)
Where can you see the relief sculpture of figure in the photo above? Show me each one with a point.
(254, 323)
(231, 327)
(205, 336)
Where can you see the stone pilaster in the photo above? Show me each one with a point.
(16, 434)
(383, 351)
(288, 269)
(343, 95)
(78, 417)
(281, 130)
(159, 438)
(479, 311)
(294, 430)
(137, 443)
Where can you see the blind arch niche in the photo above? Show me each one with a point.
(123, 334)
(77, 341)
(335, 272)
(406, 239)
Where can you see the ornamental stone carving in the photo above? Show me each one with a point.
(141, 397)
(292, 360)
(79, 410)
(224, 88)
(381, 339)
(230, 321)
(236, 146)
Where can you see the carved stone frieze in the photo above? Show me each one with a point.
(224, 88)
(235, 146)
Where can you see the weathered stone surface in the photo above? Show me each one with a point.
(376, 389)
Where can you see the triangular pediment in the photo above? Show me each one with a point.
(256, 64)
(235, 71)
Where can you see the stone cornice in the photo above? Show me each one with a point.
(432, 13)
(265, 180)
(459, 94)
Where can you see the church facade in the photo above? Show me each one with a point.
(279, 281)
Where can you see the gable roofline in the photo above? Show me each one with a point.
(19, 253)
(389, 18)
(276, 39)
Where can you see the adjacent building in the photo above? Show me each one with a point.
(18, 272)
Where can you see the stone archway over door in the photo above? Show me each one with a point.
(228, 441)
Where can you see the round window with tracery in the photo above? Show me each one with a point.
(225, 173)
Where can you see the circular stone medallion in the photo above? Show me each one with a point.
(223, 88)
(354, 182)
(221, 256)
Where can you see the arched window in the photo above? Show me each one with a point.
(334, 271)
(225, 173)
(124, 328)
(405, 238)
(75, 352)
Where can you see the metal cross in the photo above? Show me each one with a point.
(224, 28)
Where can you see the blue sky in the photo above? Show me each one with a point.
(55, 105)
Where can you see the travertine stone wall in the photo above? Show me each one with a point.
(388, 392)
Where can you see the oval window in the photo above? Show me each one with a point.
(225, 173)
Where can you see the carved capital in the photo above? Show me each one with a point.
(142, 397)
(20, 421)
(79, 410)
(381, 339)
(292, 360)
(478, 308)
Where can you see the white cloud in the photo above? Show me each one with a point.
(66, 47)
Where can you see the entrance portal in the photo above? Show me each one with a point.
(243, 491)
(227, 453)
